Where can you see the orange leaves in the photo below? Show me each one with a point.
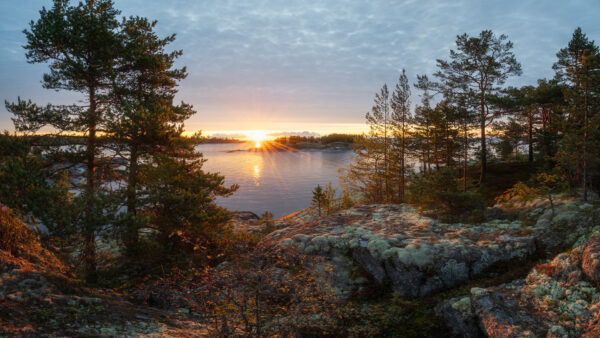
(547, 269)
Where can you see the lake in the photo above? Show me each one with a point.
(279, 181)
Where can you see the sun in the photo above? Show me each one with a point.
(258, 136)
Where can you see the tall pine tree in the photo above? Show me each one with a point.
(80, 43)
(477, 67)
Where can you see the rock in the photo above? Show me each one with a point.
(590, 262)
(417, 254)
(496, 213)
(500, 314)
(245, 215)
(459, 317)
(552, 301)
(369, 263)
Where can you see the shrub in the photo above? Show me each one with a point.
(347, 201)
(520, 191)
(15, 236)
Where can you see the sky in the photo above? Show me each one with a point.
(287, 66)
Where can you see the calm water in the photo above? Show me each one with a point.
(280, 182)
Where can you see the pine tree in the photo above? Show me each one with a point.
(145, 119)
(329, 198)
(578, 69)
(423, 122)
(318, 198)
(478, 66)
(401, 121)
(369, 173)
(81, 44)
(180, 203)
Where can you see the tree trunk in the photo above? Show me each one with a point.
(402, 173)
(466, 151)
(530, 137)
(131, 240)
(89, 250)
(447, 140)
(483, 144)
(585, 126)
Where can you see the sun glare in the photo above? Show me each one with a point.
(258, 137)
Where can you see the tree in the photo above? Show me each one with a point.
(401, 119)
(578, 69)
(510, 138)
(369, 172)
(523, 118)
(546, 184)
(464, 117)
(423, 121)
(378, 120)
(180, 205)
(478, 66)
(29, 186)
(446, 124)
(145, 120)
(318, 198)
(81, 44)
(329, 198)
(549, 100)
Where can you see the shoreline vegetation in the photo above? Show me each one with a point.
(292, 143)
(474, 239)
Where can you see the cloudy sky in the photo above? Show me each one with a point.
(295, 65)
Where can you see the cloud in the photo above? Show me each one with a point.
(284, 61)
(229, 135)
(294, 133)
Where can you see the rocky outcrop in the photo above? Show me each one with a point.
(393, 245)
(590, 260)
(557, 299)
(244, 216)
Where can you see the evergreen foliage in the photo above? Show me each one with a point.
(129, 150)
(475, 69)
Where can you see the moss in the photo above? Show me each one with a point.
(463, 305)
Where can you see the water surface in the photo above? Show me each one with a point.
(280, 182)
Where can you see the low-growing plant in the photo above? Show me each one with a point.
(15, 236)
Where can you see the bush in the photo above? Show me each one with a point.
(519, 191)
(15, 236)
(259, 292)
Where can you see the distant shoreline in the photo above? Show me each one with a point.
(271, 146)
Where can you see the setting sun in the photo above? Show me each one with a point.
(258, 136)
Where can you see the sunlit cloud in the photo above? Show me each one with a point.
(258, 65)
(294, 133)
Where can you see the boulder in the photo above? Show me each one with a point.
(590, 260)
(459, 316)
(245, 216)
